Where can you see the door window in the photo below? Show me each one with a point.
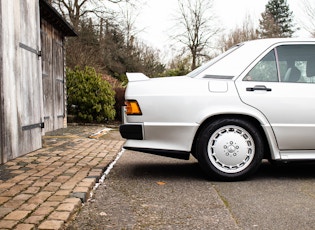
(299, 61)
(265, 70)
(294, 63)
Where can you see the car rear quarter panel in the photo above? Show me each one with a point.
(173, 110)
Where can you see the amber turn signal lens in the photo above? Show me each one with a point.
(132, 108)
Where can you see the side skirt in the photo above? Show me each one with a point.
(297, 155)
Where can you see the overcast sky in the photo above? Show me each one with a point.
(156, 17)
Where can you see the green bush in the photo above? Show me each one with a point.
(90, 99)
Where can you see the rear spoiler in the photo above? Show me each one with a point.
(136, 77)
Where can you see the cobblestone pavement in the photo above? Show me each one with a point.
(45, 188)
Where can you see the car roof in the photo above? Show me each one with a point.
(246, 53)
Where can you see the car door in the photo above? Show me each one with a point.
(281, 86)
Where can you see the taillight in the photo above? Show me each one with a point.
(132, 108)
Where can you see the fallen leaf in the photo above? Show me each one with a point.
(161, 183)
(103, 214)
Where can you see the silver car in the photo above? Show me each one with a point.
(255, 101)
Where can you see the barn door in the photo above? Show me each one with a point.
(21, 85)
(53, 78)
(27, 75)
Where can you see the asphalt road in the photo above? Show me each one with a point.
(151, 192)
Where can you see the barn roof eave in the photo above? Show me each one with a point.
(51, 15)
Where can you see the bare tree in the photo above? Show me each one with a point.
(196, 27)
(108, 44)
(245, 32)
(75, 10)
(128, 17)
(309, 9)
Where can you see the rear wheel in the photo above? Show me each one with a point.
(230, 149)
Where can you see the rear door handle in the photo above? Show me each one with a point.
(258, 87)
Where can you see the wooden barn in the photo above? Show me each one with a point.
(32, 74)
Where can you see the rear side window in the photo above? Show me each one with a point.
(265, 70)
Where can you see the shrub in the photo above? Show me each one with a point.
(119, 89)
(120, 101)
(90, 99)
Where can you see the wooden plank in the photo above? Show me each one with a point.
(1, 98)
(46, 39)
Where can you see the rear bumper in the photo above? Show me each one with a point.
(159, 135)
(131, 131)
(135, 132)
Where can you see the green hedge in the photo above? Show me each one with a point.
(90, 98)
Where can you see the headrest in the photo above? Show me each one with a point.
(295, 74)
(310, 67)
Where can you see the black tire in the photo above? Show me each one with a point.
(229, 149)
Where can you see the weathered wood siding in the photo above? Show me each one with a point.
(21, 79)
(53, 77)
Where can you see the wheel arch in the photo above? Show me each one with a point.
(247, 118)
